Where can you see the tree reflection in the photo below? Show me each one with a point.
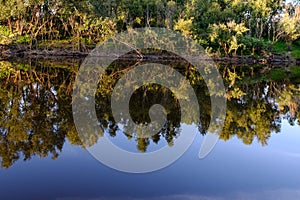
(36, 113)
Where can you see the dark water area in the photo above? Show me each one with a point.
(43, 157)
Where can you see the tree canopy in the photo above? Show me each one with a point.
(88, 22)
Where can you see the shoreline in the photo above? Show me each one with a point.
(8, 52)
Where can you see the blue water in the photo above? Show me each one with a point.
(233, 170)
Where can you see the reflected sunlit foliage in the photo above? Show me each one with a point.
(36, 113)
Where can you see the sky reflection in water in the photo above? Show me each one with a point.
(232, 171)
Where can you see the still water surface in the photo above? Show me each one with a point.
(42, 157)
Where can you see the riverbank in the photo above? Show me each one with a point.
(23, 51)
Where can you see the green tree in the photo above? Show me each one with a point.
(289, 29)
(227, 36)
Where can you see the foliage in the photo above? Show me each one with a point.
(5, 35)
(89, 22)
(277, 75)
(227, 36)
(184, 26)
(6, 68)
(289, 29)
(295, 51)
(280, 47)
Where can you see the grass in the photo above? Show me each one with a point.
(296, 49)
(281, 47)
(296, 53)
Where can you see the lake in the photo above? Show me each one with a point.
(43, 156)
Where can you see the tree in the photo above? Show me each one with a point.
(289, 29)
(227, 36)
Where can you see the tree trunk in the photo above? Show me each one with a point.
(9, 24)
(18, 25)
(289, 46)
(147, 16)
(78, 38)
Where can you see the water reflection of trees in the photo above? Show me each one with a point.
(145, 97)
(36, 115)
(263, 102)
(140, 103)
